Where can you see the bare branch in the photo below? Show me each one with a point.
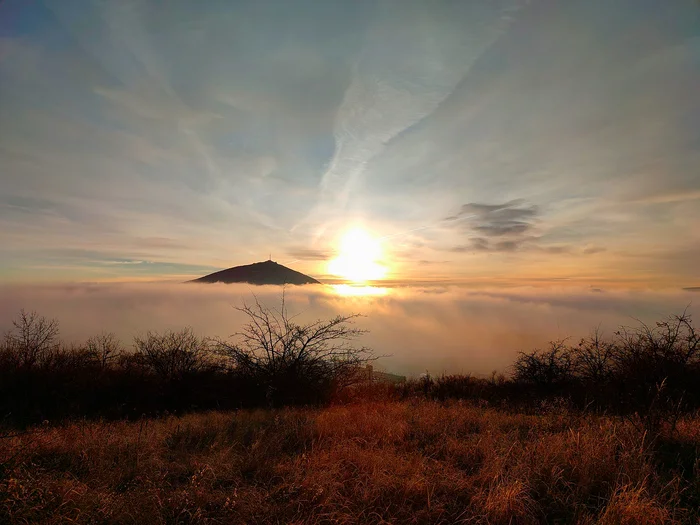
(278, 350)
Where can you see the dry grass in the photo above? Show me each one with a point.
(374, 462)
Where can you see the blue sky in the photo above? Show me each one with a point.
(482, 140)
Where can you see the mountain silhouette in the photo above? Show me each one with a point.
(267, 272)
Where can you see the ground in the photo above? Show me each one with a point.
(369, 462)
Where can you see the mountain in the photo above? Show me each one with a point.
(267, 272)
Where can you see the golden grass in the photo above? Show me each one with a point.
(373, 462)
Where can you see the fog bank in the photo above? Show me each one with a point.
(440, 329)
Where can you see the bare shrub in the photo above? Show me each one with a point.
(32, 339)
(295, 362)
(594, 357)
(104, 348)
(657, 369)
(545, 368)
(668, 346)
(173, 355)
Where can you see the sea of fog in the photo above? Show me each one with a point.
(436, 328)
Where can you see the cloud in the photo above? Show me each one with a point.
(509, 228)
(555, 249)
(436, 328)
(512, 217)
(666, 198)
(479, 244)
(425, 262)
(497, 227)
(212, 135)
(504, 228)
(309, 254)
(413, 56)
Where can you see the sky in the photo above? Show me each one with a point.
(491, 142)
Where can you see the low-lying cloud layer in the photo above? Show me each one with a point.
(437, 329)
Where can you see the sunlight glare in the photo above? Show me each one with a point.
(358, 258)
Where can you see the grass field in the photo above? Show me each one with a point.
(370, 462)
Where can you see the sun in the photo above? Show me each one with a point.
(359, 256)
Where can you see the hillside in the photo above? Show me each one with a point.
(372, 463)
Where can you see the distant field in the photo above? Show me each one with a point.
(370, 462)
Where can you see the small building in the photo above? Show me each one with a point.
(381, 377)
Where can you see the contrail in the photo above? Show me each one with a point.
(399, 78)
(406, 232)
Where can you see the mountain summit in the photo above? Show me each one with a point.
(267, 272)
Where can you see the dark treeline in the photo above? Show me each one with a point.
(649, 371)
(41, 379)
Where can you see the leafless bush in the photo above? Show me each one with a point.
(657, 368)
(671, 343)
(104, 348)
(593, 358)
(545, 368)
(32, 339)
(173, 355)
(293, 360)
(649, 373)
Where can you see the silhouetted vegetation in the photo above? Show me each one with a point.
(650, 374)
(295, 364)
(273, 361)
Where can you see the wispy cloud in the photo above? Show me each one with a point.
(495, 220)
(209, 135)
(412, 58)
(308, 254)
(496, 227)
